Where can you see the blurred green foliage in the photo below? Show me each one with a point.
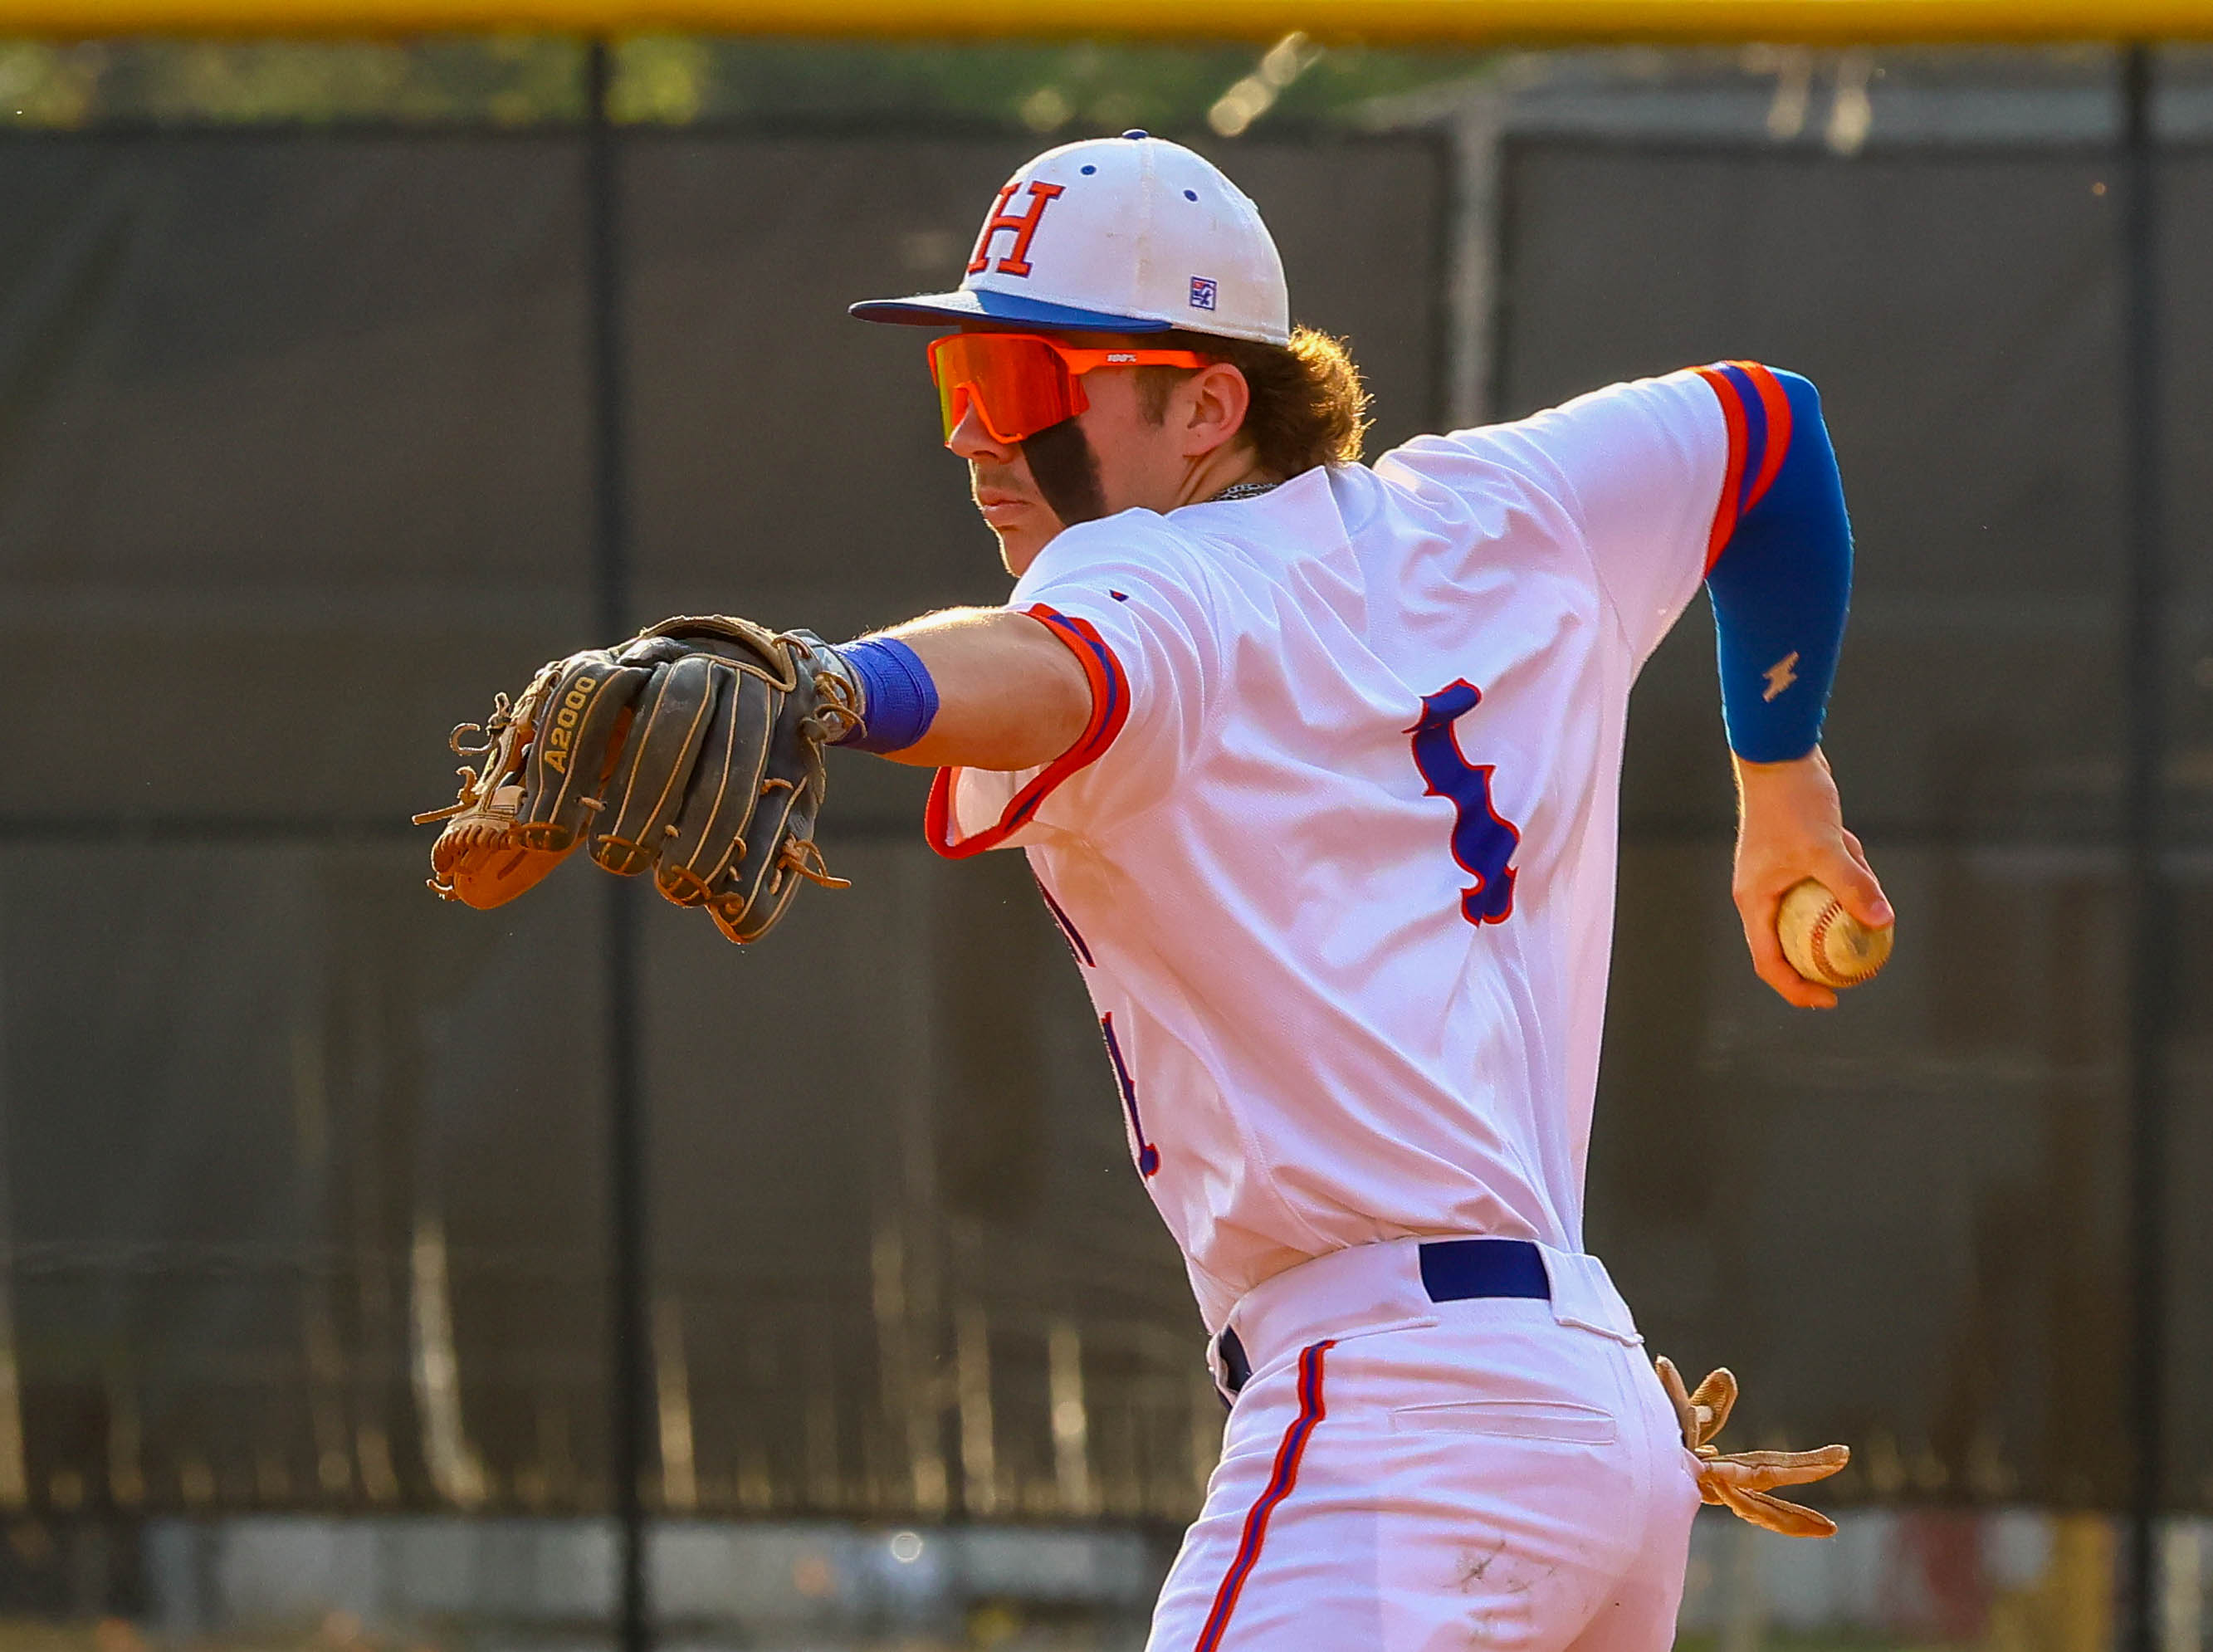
(1075, 89)
(1049, 89)
(506, 80)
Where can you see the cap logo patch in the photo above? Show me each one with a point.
(1022, 226)
(1202, 293)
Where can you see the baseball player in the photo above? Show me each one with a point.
(1317, 766)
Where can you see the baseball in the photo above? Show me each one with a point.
(1825, 944)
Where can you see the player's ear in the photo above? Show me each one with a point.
(1214, 401)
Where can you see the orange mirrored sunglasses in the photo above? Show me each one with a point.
(1020, 383)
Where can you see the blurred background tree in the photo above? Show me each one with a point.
(1053, 90)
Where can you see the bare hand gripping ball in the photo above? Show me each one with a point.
(1825, 944)
(693, 749)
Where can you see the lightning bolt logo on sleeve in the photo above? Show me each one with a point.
(1781, 675)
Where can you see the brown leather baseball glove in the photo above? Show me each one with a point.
(694, 749)
(1740, 1480)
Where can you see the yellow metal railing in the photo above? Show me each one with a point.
(1475, 23)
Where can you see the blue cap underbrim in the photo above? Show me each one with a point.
(944, 309)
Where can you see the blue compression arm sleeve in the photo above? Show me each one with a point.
(896, 689)
(1781, 577)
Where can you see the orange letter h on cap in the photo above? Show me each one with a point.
(1024, 226)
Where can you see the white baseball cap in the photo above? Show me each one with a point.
(1116, 235)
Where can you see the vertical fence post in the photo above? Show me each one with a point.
(627, 1374)
(2149, 1000)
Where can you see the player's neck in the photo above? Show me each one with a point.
(1225, 467)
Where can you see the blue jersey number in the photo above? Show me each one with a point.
(1149, 1157)
(1483, 841)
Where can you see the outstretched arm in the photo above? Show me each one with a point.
(995, 689)
(1779, 576)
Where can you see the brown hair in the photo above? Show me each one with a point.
(1308, 406)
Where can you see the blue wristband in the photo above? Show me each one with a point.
(1782, 583)
(896, 688)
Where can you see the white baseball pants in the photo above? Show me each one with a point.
(1400, 1475)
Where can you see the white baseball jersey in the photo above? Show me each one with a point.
(1336, 853)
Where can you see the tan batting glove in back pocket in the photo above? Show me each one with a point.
(1740, 1481)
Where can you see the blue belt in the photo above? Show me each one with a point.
(1455, 1269)
(1452, 1271)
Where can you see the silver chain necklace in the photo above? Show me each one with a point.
(1244, 490)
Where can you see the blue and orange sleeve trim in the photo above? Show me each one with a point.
(1778, 562)
(1756, 410)
(1109, 710)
